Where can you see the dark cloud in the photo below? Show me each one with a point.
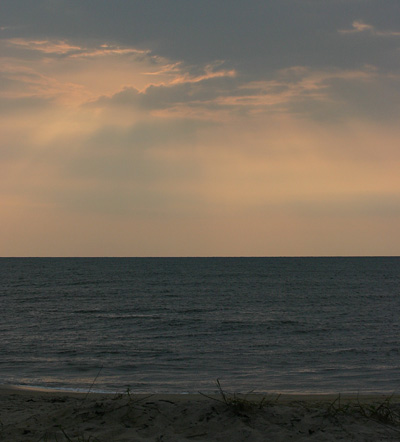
(166, 96)
(259, 40)
(339, 96)
(333, 96)
(255, 37)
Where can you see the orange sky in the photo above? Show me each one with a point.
(111, 149)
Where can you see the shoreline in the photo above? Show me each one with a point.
(35, 415)
(309, 397)
(95, 389)
(286, 397)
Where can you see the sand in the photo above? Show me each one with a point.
(42, 416)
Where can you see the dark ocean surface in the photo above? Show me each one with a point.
(179, 324)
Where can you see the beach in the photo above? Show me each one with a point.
(35, 415)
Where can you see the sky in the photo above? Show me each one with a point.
(199, 128)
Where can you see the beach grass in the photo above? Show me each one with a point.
(385, 410)
(239, 402)
(64, 417)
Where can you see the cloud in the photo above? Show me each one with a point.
(358, 26)
(140, 85)
(174, 94)
(329, 95)
(56, 48)
(256, 39)
(199, 128)
(74, 74)
(338, 96)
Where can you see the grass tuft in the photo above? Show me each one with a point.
(240, 403)
(337, 407)
(384, 412)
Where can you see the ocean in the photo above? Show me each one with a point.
(176, 325)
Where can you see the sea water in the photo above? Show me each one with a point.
(179, 324)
